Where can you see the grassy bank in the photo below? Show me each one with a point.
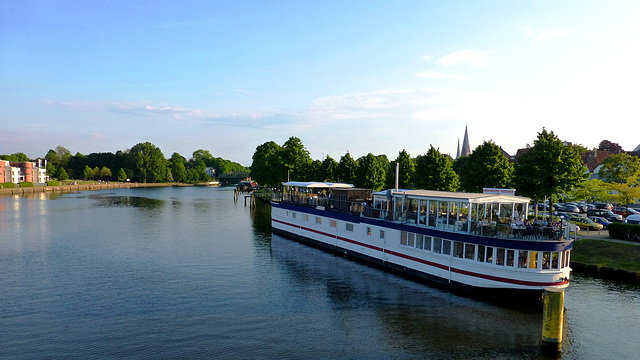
(606, 258)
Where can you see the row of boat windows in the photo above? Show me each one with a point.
(522, 259)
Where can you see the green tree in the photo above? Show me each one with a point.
(62, 174)
(105, 173)
(625, 193)
(434, 171)
(619, 167)
(328, 170)
(549, 168)
(347, 168)
(178, 170)
(122, 175)
(87, 173)
(148, 162)
(295, 158)
(406, 171)
(267, 168)
(312, 171)
(370, 173)
(606, 145)
(486, 167)
(17, 157)
(96, 172)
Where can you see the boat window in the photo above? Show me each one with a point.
(293, 214)
(381, 234)
(368, 230)
(554, 260)
(412, 240)
(348, 227)
(419, 241)
(533, 259)
(500, 256)
(403, 238)
(333, 223)
(546, 259)
(318, 220)
(427, 243)
(522, 259)
(305, 217)
(510, 257)
(437, 245)
(470, 251)
(433, 212)
(446, 247)
(443, 215)
(287, 213)
(422, 216)
(481, 250)
(489, 257)
(463, 220)
(458, 249)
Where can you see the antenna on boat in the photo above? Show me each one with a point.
(397, 175)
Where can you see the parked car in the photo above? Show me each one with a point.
(542, 207)
(606, 206)
(585, 223)
(633, 219)
(568, 208)
(607, 214)
(625, 211)
(601, 220)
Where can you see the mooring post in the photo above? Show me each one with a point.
(552, 319)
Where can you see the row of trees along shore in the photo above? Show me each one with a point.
(144, 162)
(549, 169)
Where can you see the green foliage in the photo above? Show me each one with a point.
(620, 230)
(17, 157)
(53, 183)
(607, 145)
(486, 167)
(87, 172)
(347, 168)
(295, 159)
(178, 170)
(370, 173)
(619, 168)
(328, 170)
(434, 171)
(406, 171)
(7, 185)
(26, 184)
(266, 167)
(148, 163)
(122, 175)
(549, 168)
(105, 173)
(62, 175)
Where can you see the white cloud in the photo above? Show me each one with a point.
(464, 56)
(528, 30)
(439, 75)
(428, 57)
(553, 34)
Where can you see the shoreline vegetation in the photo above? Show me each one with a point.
(598, 257)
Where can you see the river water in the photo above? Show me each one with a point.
(168, 273)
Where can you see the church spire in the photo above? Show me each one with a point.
(458, 151)
(466, 148)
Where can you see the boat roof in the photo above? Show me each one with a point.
(456, 196)
(317, 184)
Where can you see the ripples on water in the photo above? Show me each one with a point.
(188, 273)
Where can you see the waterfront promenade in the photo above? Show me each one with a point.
(82, 187)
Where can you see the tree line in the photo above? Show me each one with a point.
(144, 162)
(546, 170)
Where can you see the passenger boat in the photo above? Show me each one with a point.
(471, 241)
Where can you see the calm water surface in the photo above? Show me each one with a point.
(172, 273)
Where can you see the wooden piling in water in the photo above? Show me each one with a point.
(552, 319)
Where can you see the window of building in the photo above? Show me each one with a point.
(348, 227)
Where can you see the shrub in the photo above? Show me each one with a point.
(8, 185)
(53, 183)
(25, 184)
(620, 230)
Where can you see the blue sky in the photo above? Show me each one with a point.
(357, 76)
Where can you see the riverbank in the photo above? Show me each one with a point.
(603, 256)
(82, 187)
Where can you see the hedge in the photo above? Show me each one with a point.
(25, 184)
(619, 230)
(53, 183)
(8, 185)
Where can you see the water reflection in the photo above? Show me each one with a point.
(112, 200)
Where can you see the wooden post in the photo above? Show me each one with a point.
(552, 319)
